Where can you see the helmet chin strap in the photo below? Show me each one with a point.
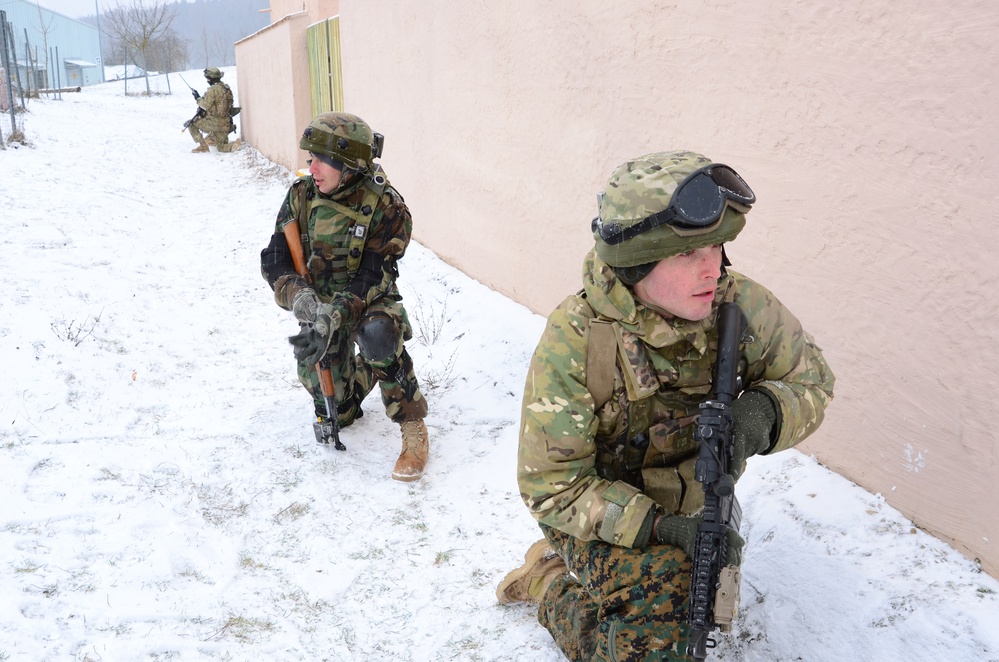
(349, 179)
(631, 275)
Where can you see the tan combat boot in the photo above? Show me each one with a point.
(202, 147)
(231, 147)
(529, 582)
(415, 449)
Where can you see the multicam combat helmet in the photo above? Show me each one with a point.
(641, 188)
(213, 73)
(342, 137)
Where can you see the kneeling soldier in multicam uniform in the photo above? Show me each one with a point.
(607, 454)
(355, 228)
(214, 116)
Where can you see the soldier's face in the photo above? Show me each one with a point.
(684, 285)
(327, 177)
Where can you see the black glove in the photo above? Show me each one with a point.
(754, 428)
(682, 532)
(312, 342)
(196, 95)
(305, 305)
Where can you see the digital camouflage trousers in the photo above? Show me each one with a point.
(355, 375)
(618, 603)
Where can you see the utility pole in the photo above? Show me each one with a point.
(100, 43)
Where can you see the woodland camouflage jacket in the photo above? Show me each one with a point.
(597, 474)
(331, 228)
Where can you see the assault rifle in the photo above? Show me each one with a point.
(328, 431)
(714, 587)
(200, 113)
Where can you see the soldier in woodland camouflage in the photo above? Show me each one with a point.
(355, 228)
(606, 457)
(216, 120)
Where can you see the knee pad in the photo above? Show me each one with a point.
(377, 338)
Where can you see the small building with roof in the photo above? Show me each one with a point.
(51, 49)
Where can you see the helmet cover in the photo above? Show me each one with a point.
(340, 136)
(643, 186)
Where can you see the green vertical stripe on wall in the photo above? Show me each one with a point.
(326, 86)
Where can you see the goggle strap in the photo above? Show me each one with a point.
(741, 201)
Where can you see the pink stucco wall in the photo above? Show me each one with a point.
(273, 70)
(866, 129)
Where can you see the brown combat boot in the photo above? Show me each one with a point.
(231, 147)
(529, 582)
(415, 449)
(202, 147)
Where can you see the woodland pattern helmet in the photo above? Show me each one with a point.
(653, 207)
(342, 137)
(213, 73)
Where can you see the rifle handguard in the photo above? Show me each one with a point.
(718, 545)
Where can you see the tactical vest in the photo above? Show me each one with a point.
(656, 452)
(344, 233)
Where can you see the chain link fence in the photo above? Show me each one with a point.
(12, 92)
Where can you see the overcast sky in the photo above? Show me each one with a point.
(80, 8)
(75, 8)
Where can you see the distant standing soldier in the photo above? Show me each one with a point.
(355, 228)
(214, 115)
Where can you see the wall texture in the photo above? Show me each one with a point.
(274, 91)
(866, 129)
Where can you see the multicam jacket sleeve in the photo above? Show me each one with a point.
(556, 460)
(784, 360)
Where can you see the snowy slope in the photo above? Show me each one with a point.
(164, 498)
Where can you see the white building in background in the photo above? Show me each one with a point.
(56, 50)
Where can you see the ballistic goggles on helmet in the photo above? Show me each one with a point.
(697, 204)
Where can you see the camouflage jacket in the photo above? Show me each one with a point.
(329, 229)
(596, 470)
(217, 103)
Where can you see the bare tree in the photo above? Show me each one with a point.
(114, 51)
(139, 26)
(169, 53)
(221, 43)
(45, 27)
(206, 39)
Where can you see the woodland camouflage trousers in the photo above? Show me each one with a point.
(619, 603)
(354, 376)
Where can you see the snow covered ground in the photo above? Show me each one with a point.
(163, 497)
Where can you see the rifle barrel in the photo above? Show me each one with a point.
(721, 509)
